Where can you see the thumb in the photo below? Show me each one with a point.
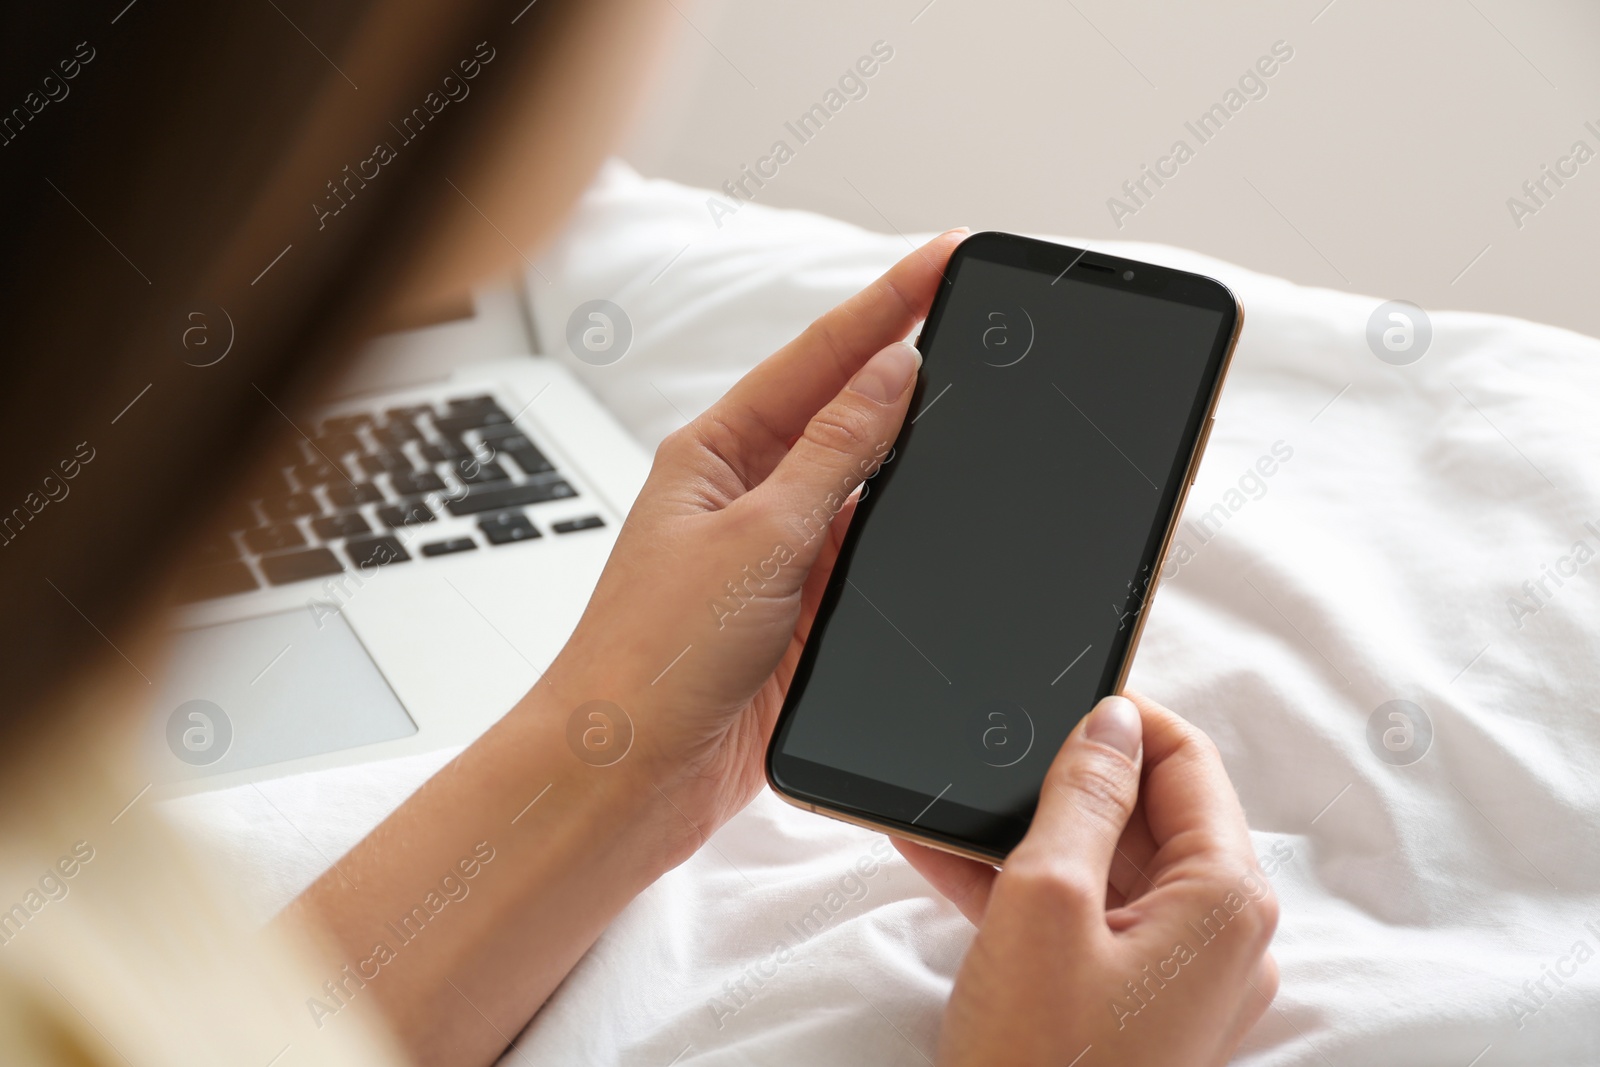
(842, 445)
(1088, 795)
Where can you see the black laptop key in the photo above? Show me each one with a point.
(298, 566)
(335, 526)
(274, 538)
(445, 548)
(480, 499)
(222, 579)
(379, 462)
(370, 552)
(588, 522)
(477, 472)
(409, 412)
(456, 425)
(407, 513)
(413, 483)
(442, 451)
(503, 435)
(335, 446)
(506, 527)
(353, 494)
(474, 403)
(510, 439)
(530, 460)
(290, 506)
(396, 432)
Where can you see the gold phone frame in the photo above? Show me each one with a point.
(1202, 439)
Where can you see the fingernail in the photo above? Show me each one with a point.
(1115, 722)
(887, 374)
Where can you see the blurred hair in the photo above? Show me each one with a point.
(163, 177)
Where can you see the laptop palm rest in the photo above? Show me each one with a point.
(264, 690)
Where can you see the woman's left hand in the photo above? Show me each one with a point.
(694, 630)
(697, 623)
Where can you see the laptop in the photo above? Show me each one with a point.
(422, 549)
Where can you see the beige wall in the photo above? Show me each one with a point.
(1380, 160)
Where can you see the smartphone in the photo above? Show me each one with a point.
(1001, 562)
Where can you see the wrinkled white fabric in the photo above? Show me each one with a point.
(1431, 913)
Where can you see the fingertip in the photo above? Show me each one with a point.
(888, 374)
(1116, 723)
(947, 241)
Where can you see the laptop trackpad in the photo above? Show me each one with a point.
(279, 687)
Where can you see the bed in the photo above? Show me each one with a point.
(1364, 540)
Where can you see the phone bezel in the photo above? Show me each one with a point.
(868, 800)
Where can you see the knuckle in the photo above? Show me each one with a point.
(1216, 882)
(675, 447)
(886, 285)
(709, 449)
(825, 331)
(1197, 742)
(1262, 918)
(1100, 786)
(1047, 883)
(746, 519)
(840, 428)
(721, 440)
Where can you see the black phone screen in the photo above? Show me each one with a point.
(988, 589)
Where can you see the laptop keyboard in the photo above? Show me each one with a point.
(367, 486)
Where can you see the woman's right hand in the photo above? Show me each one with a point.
(1130, 926)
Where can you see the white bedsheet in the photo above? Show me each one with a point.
(1431, 913)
